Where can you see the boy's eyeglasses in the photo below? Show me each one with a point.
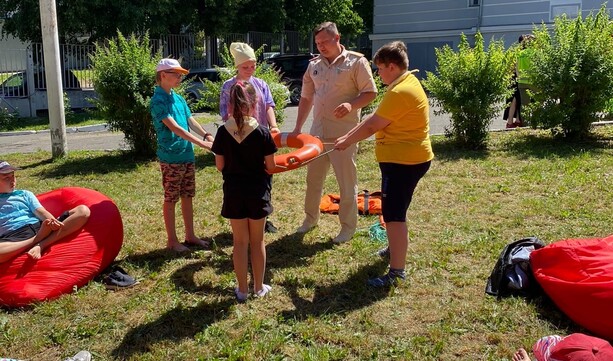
(177, 75)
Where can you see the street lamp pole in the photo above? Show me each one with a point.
(53, 77)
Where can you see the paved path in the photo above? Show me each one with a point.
(96, 138)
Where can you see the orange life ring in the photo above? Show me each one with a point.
(308, 147)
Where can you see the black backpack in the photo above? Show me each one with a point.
(512, 275)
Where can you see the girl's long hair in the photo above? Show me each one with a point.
(242, 99)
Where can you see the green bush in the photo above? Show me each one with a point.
(608, 110)
(7, 118)
(472, 85)
(372, 106)
(124, 78)
(210, 95)
(68, 113)
(573, 67)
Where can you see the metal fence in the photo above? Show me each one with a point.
(21, 67)
(22, 71)
(205, 52)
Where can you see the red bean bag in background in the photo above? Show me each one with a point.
(72, 261)
(577, 274)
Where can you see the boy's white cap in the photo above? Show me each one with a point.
(241, 53)
(6, 168)
(168, 64)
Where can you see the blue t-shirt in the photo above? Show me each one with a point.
(17, 210)
(171, 148)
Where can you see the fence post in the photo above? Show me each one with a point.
(30, 75)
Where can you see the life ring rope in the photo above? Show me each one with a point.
(307, 147)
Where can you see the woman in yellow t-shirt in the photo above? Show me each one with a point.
(403, 149)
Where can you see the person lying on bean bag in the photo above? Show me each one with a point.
(25, 225)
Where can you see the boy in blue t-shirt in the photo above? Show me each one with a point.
(173, 120)
(25, 224)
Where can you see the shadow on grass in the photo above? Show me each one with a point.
(544, 146)
(449, 150)
(117, 161)
(155, 260)
(175, 325)
(37, 164)
(548, 311)
(206, 159)
(338, 298)
(291, 251)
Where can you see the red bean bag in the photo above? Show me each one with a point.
(71, 262)
(577, 274)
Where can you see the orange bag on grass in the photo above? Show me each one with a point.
(368, 203)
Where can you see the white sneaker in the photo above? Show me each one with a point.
(80, 356)
(264, 291)
(305, 228)
(342, 238)
(240, 297)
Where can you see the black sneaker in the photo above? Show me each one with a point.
(387, 280)
(384, 252)
(269, 227)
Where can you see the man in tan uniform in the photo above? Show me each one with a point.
(337, 84)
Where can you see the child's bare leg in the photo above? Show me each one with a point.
(240, 236)
(171, 232)
(9, 249)
(187, 209)
(77, 217)
(521, 355)
(258, 252)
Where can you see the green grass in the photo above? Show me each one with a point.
(464, 211)
(76, 119)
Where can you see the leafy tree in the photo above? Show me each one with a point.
(255, 15)
(304, 15)
(472, 85)
(212, 90)
(364, 8)
(215, 17)
(96, 19)
(573, 70)
(372, 106)
(101, 19)
(124, 78)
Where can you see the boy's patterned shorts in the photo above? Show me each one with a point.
(178, 180)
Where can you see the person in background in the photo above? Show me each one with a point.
(524, 67)
(403, 149)
(575, 347)
(25, 225)
(245, 62)
(173, 121)
(336, 85)
(244, 152)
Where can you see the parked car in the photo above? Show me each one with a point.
(197, 82)
(292, 68)
(194, 89)
(16, 85)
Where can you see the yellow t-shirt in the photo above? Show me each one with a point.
(406, 139)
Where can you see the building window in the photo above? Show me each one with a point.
(474, 2)
(570, 8)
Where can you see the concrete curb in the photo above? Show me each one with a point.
(88, 128)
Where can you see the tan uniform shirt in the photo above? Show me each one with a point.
(331, 84)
